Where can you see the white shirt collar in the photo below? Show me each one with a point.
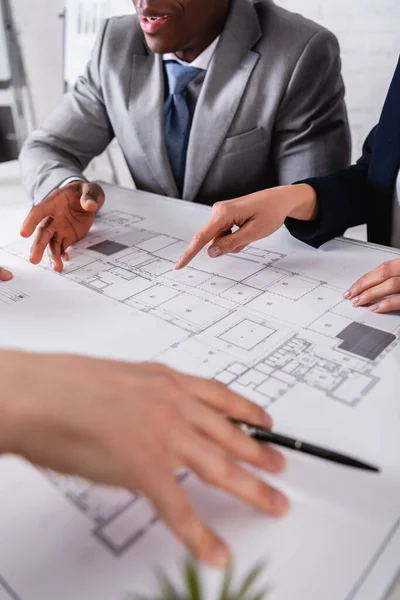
(202, 61)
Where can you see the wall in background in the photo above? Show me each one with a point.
(369, 35)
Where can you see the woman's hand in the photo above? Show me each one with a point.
(380, 288)
(135, 426)
(256, 216)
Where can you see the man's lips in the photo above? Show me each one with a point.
(153, 24)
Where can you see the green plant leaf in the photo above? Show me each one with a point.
(250, 580)
(194, 590)
(193, 581)
(226, 584)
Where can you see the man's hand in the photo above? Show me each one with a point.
(380, 288)
(5, 275)
(62, 219)
(256, 216)
(134, 426)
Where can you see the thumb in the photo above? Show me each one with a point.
(233, 242)
(92, 197)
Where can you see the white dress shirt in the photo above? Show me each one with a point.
(201, 62)
(395, 239)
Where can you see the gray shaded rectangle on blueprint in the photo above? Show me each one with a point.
(108, 247)
(364, 341)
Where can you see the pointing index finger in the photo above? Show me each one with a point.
(211, 230)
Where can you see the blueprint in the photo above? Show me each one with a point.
(271, 323)
(248, 320)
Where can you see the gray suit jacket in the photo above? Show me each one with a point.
(270, 111)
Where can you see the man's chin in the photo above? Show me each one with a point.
(158, 45)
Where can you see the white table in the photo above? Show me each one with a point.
(11, 192)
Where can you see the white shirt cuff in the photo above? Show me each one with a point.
(70, 180)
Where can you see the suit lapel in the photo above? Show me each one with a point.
(223, 88)
(385, 165)
(146, 104)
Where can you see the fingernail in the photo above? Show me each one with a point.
(214, 251)
(278, 460)
(347, 294)
(356, 301)
(375, 308)
(279, 503)
(90, 201)
(220, 555)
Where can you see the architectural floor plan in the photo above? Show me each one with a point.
(271, 323)
(248, 320)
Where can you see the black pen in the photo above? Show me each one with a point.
(265, 435)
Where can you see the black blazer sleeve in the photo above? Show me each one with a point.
(342, 201)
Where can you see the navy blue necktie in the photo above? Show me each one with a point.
(177, 119)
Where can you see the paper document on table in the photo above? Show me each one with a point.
(272, 324)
